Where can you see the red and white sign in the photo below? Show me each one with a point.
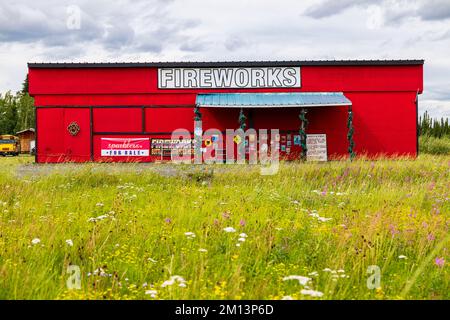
(125, 147)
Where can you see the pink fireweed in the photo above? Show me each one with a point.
(440, 262)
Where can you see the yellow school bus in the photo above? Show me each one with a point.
(9, 145)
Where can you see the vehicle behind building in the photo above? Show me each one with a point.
(9, 145)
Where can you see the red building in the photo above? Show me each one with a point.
(128, 111)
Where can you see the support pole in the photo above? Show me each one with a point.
(197, 114)
(242, 119)
(351, 144)
(302, 132)
(198, 135)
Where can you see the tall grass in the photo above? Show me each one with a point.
(327, 221)
(432, 145)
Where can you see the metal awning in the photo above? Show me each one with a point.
(272, 100)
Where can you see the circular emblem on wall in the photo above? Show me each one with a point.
(73, 128)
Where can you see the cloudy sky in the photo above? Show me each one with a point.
(195, 30)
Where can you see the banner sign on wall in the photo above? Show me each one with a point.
(125, 147)
(164, 146)
(213, 78)
(317, 147)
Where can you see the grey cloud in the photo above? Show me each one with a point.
(118, 35)
(234, 42)
(21, 23)
(434, 10)
(194, 45)
(395, 11)
(140, 25)
(329, 8)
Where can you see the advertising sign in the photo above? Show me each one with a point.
(164, 146)
(317, 147)
(213, 78)
(125, 147)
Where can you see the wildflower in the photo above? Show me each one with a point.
(167, 220)
(242, 222)
(172, 280)
(104, 216)
(202, 250)
(402, 257)
(313, 274)
(99, 204)
(69, 242)
(243, 235)
(322, 219)
(287, 298)
(100, 272)
(226, 214)
(241, 239)
(301, 279)
(229, 229)
(238, 244)
(295, 202)
(440, 262)
(152, 293)
(341, 271)
(189, 235)
(145, 284)
(311, 293)
(430, 237)
(326, 270)
(36, 241)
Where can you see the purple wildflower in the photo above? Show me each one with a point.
(440, 262)
(242, 222)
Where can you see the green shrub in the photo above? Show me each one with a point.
(432, 145)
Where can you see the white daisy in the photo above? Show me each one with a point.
(312, 293)
(301, 279)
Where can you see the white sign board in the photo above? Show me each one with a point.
(214, 78)
(317, 147)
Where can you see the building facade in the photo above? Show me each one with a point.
(128, 111)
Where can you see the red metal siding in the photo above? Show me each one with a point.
(55, 143)
(117, 119)
(383, 100)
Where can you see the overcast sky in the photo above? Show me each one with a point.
(195, 30)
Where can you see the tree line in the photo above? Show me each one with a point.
(437, 128)
(16, 110)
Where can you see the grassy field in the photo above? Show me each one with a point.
(166, 232)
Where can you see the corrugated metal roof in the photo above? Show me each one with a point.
(272, 100)
(218, 64)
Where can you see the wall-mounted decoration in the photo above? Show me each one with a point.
(73, 128)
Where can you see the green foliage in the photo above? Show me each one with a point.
(16, 111)
(433, 145)
(433, 127)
